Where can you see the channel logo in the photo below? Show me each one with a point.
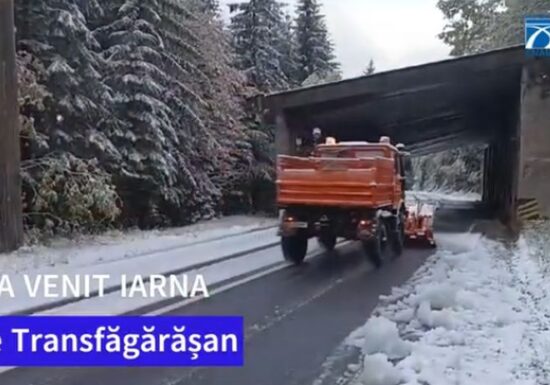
(537, 36)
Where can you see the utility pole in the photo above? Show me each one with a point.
(11, 216)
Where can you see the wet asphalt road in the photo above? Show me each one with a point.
(294, 318)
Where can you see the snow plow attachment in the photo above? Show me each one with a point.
(419, 225)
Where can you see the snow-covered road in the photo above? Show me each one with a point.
(476, 311)
(193, 250)
(294, 317)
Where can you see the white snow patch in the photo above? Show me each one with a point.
(438, 295)
(403, 316)
(381, 336)
(377, 370)
(433, 318)
(166, 260)
(115, 245)
(441, 195)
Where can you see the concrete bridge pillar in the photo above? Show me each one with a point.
(534, 172)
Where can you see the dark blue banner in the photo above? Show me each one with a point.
(65, 341)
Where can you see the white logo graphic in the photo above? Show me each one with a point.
(539, 30)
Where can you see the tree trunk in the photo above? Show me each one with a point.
(11, 223)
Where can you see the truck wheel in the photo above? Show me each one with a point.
(375, 247)
(397, 236)
(327, 241)
(294, 248)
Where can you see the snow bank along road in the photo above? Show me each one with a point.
(295, 318)
(206, 257)
(476, 316)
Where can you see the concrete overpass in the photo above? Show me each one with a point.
(500, 98)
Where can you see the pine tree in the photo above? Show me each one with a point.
(262, 38)
(468, 22)
(143, 95)
(64, 134)
(370, 68)
(224, 93)
(257, 31)
(56, 33)
(289, 51)
(315, 50)
(156, 178)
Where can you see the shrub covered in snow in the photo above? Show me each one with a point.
(70, 194)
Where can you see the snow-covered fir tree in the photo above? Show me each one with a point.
(143, 91)
(138, 106)
(257, 28)
(56, 33)
(262, 38)
(222, 90)
(315, 50)
(289, 51)
(64, 186)
(167, 144)
(182, 24)
(133, 48)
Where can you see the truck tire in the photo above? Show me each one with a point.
(375, 248)
(327, 241)
(294, 248)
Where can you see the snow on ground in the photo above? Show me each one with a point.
(440, 195)
(86, 251)
(478, 312)
(163, 262)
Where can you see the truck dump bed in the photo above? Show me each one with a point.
(366, 182)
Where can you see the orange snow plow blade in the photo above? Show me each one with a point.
(419, 225)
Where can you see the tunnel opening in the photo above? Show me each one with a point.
(456, 172)
(471, 102)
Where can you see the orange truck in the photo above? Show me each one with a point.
(350, 190)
